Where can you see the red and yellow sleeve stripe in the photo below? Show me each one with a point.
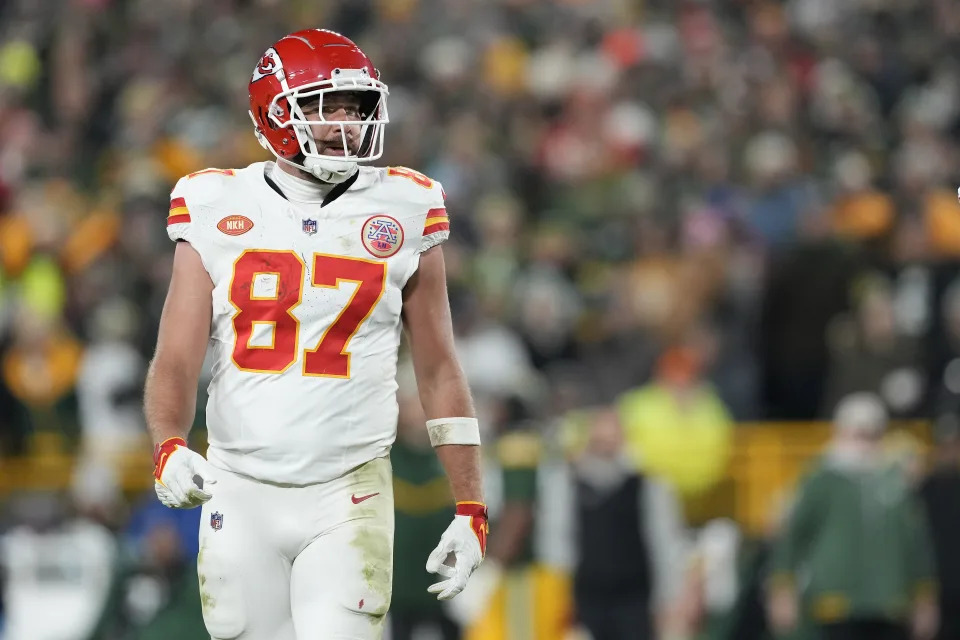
(437, 220)
(178, 212)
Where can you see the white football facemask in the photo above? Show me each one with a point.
(331, 168)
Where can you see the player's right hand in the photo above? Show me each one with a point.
(181, 477)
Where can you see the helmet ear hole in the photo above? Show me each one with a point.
(265, 119)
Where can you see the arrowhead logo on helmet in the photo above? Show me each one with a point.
(269, 65)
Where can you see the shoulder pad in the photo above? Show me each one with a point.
(425, 192)
(191, 192)
(203, 186)
(416, 185)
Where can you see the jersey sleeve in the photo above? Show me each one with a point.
(436, 226)
(190, 194)
(178, 218)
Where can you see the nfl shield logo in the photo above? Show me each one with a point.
(216, 521)
(309, 226)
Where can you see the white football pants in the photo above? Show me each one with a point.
(298, 563)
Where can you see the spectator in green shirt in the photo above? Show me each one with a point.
(854, 555)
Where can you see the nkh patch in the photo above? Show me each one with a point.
(235, 225)
(216, 521)
(382, 236)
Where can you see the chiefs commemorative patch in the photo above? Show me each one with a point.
(382, 236)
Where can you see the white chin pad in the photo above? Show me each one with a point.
(330, 170)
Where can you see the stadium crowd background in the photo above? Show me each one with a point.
(749, 205)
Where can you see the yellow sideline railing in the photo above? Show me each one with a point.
(767, 460)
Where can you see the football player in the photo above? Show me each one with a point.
(300, 275)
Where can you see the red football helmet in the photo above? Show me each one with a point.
(307, 65)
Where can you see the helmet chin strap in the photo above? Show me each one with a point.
(330, 170)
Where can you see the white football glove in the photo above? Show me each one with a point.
(181, 477)
(466, 539)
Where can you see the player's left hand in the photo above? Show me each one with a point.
(466, 539)
(176, 471)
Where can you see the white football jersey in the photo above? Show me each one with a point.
(306, 314)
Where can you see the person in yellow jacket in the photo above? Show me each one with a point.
(676, 426)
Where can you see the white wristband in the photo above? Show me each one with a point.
(454, 431)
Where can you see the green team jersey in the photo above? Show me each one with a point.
(518, 454)
(424, 509)
(860, 539)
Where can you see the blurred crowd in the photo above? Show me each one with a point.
(681, 213)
